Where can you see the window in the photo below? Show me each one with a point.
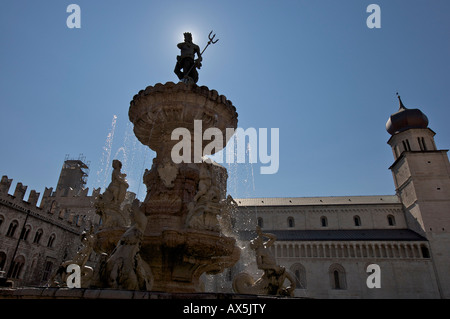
(16, 267)
(12, 228)
(2, 260)
(260, 222)
(25, 232)
(47, 270)
(290, 222)
(323, 221)
(299, 272)
(391, 220)
(337, 284)
(357, 220)
(422, 145)
(62, 213)
(1, 220)
(406, 145)
(37, 236)
(337, 277)
(51, 239)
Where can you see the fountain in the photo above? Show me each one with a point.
(183, 237)
(182, 229)
(185, 208)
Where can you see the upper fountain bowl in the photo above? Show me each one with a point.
(158, 110)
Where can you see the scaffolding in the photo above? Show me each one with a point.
(74, 174)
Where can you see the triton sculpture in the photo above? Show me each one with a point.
(271, 282)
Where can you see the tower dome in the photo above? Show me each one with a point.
(405, 119)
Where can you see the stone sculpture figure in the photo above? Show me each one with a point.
(264, 258)
(125, 268)
(168, 172)
(108, 205)
(118, 186)
(272, 281)
(81, 258)
(205, 207)
(186, 60)
(207, 189)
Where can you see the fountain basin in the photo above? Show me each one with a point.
(158, 110)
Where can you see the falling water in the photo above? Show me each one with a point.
(250, 160)
(134, 157)
(131, 153)
(102, 173)
(241, 180)
(240, 184)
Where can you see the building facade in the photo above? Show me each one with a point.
(34, 240)
(328, 242)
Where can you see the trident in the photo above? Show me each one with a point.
(211, 41)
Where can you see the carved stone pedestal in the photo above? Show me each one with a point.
(186, 200)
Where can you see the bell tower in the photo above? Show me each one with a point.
(421, 175)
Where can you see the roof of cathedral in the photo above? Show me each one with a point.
(330, 200)
(339, 235)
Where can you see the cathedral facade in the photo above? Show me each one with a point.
(328, 243)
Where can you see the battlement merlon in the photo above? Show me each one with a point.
(5, 184)
(45, 202)
(20, 191)
(33, 197)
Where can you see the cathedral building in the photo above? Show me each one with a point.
(328, 243)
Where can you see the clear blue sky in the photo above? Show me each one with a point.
(313, 69)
